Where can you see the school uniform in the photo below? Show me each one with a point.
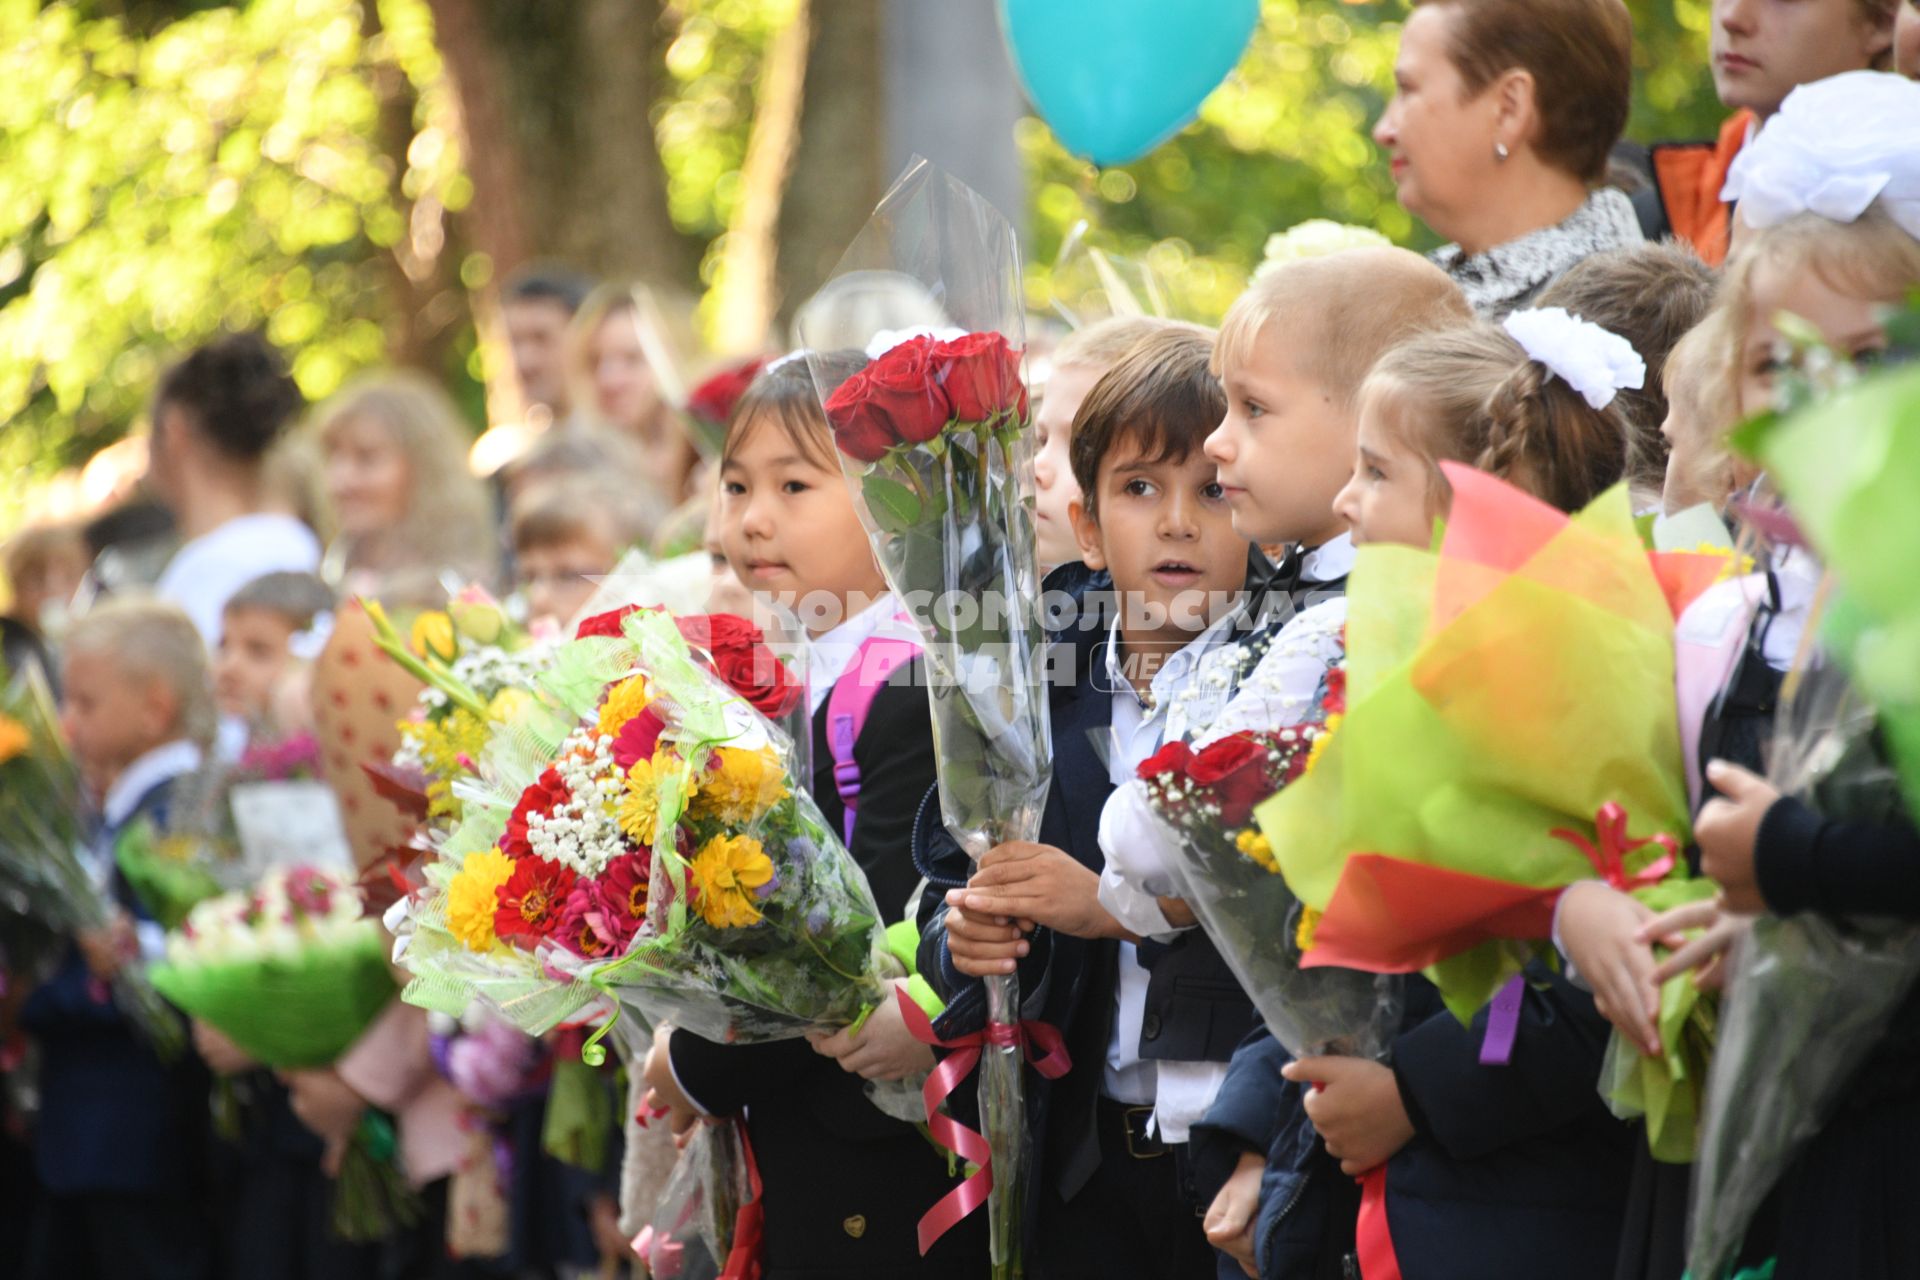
(844, 1185)
(120, 1146)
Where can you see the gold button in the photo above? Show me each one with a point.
(856, 1226)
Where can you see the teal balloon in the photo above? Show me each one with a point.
(1116, 78)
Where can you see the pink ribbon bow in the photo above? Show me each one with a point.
(1609, 855)
(1050, 1061)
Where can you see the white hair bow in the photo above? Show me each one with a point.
(1834, 147)
(1597, 364)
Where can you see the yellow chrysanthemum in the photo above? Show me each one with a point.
(1321, 739)
(727, 871)
(507, 704)
(432, 636)
(1303, 935)
(640, 807)
(740, 784)
(624, 701)
(14, 738)
(1258, 849)
(473, 896)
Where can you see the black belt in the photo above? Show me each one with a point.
(1133, 1122)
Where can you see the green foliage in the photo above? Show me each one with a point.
(225, 171)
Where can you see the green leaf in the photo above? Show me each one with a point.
(895, 507)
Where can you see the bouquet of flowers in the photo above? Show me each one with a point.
(632, 835)
(46, 893)
(293, 972)
(1225, 869)
(1510, 719)
(933, 434)
(1807, 996)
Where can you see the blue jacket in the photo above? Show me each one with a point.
(113, 1116)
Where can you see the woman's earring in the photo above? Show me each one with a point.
(1500, 151)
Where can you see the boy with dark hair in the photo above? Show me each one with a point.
(1110, 1194)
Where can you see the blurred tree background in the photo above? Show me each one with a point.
(356, 177)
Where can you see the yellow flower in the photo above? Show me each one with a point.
(1321, 739)
(726, 872)
(1303, 935)
(449, 748)
(624, 701)
(1258, 849)
(640, 807)
(432, 637)
(472, 898)
(507, 704)
(745, 784)
(14, 738)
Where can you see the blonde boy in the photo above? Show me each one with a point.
(118, 1127)
(1292, 353)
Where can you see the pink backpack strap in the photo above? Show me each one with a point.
(874, 663)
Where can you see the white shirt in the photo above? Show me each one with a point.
(1180, 1092)
(163, 763)
(204, 574)
(829, 656)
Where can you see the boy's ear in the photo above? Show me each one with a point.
(1086, 532)
(159, 712)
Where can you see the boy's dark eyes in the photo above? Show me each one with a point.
(1138, 488)
(1212, 491)
(795, 486)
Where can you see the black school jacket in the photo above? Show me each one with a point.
(845, 1185)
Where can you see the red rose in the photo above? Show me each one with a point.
(982, 375)
(534, 900)
(741, 658)
(1175, 757)
(1218, 759)
(903, 387)
(546, 794)
(605, 624)
(714, 399)
(860, 430)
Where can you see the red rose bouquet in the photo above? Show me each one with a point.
(933, 435)
(1224, 868)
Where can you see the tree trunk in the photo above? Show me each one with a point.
(556, 124)
(838, 172)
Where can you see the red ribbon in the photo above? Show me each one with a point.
(1373, 1241)
(1051, 1061)
(1609, 856)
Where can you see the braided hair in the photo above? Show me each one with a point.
(1473, 395)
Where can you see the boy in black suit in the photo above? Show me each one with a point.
(1147, 1022)
(119, 1145)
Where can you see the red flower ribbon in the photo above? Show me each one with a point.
(1609, 857)
(1051, 1061)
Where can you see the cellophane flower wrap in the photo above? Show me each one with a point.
(697, 1223)
(1510, 730)
(293, 972)
(934, 437)
(46, 893)
(1225, 870)
(633, 835)
(1807, 996)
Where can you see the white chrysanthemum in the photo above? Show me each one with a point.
(1316, 238)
